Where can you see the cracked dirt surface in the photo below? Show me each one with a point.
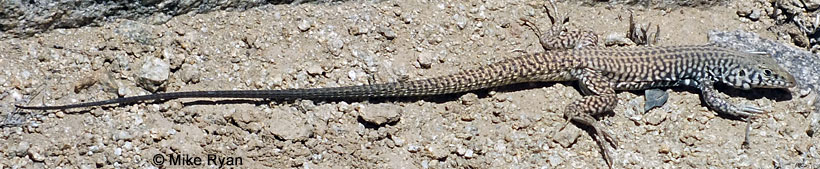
(323, 45)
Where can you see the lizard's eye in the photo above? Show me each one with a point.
(767, 72)
(741, 73)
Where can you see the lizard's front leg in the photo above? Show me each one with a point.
(720, 104)
(558, 37)
(601, 99)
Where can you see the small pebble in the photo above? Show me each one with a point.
(387, 33)
(566, 137)
(398, 141)
(358, 30)
(336, 45)
(277, 80)
(22, 148)
(437, 151)
(315, 69)
(555, 160)
(617, 39)
(16, 96)
(461, 150)
(664, 149)
(176, 60)
(469, 153)
(128, 145)
(426, 59)
(381, 113)
(655, 118)
(407, 19)
(304, 25)
(352, 75)
(189, 73)
(461, 21)
(743, 12)
(123, 135)
(633, 108)
(469, 99)
(153, 73)
(413, 148)
(434, 163)
(425, 164)
(467, 117)
(95, 149)
(755, 15)
(86, 82)
(124, 91)
(35, 153)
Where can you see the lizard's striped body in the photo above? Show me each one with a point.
(600, 72)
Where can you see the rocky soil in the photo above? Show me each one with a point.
(279, 46)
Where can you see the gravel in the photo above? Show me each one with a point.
(517, 126)
(19, 18)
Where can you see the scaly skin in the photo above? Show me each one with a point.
(618, 68)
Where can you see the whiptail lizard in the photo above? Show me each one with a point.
(600, 71)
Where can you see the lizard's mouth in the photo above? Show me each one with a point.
(773, 84)
(787, 81)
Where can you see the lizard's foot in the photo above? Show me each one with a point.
(558, 37)
(588, 120)
(640, 34)
(603, 138)
(574, 39)
(749, 110)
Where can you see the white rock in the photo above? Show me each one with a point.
(304, 25)
(153, 73)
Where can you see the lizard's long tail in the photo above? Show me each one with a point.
(485, 77)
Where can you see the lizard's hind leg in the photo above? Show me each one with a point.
(602, 99)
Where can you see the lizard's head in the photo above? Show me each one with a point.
(758, 71)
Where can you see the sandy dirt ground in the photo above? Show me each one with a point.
(325, 45)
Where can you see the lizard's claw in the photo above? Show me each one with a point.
(748, 111)
(607, 152)
(613, 141)
(751, 110)
(560, 129)
(602, 135)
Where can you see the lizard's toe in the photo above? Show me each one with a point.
(748, 111)
(613, 141)
(751, 110)
(605, 150)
